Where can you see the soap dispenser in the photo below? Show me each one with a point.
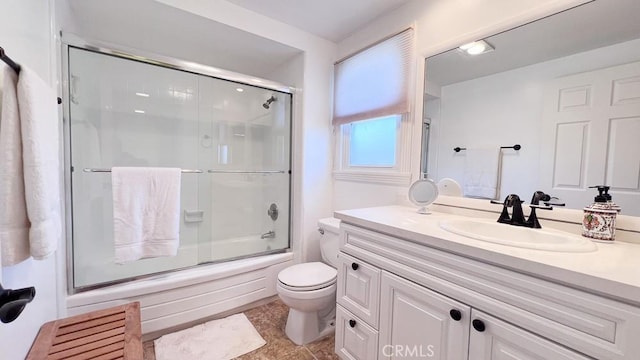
(599, 222)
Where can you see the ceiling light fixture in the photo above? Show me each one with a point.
(477, 47)
(239, 89)
(142, 94)
(139, 111)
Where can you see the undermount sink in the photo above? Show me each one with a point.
(517, 236)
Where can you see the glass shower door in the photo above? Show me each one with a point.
(126, 113)
(245, 147)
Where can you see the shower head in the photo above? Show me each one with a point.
(268, 102)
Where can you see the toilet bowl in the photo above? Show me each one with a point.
(309, 290)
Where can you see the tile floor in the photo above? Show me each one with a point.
(269, 320)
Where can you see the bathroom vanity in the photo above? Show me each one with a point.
(408, 289)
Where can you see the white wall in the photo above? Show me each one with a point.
(353, 194)
(292, 74)
(506, 108)
(25, 35)
(440, 25)
(148, 26)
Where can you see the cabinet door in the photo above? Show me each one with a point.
(495, 339)
(417, 323)
(355, 340)
(358, 288)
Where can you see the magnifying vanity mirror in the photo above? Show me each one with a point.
(565, 87)
(423, 193)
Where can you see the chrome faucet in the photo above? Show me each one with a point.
(517, 216)
(268, 235)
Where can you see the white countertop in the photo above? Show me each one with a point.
(613, 270)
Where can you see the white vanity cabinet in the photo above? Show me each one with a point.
(415, 302)
(416, 322)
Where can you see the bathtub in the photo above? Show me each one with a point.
(186, 296)
(242, 246)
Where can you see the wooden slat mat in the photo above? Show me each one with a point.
(108, 334)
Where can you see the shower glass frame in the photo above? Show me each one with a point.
(69, 41)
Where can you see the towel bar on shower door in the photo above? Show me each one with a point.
(92, 170)
(246, 171)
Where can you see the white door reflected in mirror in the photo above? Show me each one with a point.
(422, 193)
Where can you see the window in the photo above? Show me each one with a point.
(373, 142)
(372, 112)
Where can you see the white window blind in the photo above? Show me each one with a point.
(374, 82)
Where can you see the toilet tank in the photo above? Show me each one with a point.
(330, 230)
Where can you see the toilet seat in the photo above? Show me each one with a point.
(305, 288)
(307, 276)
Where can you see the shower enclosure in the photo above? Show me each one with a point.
(231, 139)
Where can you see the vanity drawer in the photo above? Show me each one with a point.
(355, 340)
(594, 325)
(359, 288)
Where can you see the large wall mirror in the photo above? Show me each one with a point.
(565, 88)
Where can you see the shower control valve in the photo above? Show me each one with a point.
(273, 212)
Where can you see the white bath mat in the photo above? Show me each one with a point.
(215, 340)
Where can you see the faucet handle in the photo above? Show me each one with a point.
(508, 201)
(541, 207)
(554, 201)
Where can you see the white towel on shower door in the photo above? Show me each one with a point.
(146, 212)
(481, 172)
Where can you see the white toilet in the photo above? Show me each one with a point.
(309, 289)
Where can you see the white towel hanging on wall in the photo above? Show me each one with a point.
(481, 172)
(14, 223)
(30, 222)
(40, 159)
